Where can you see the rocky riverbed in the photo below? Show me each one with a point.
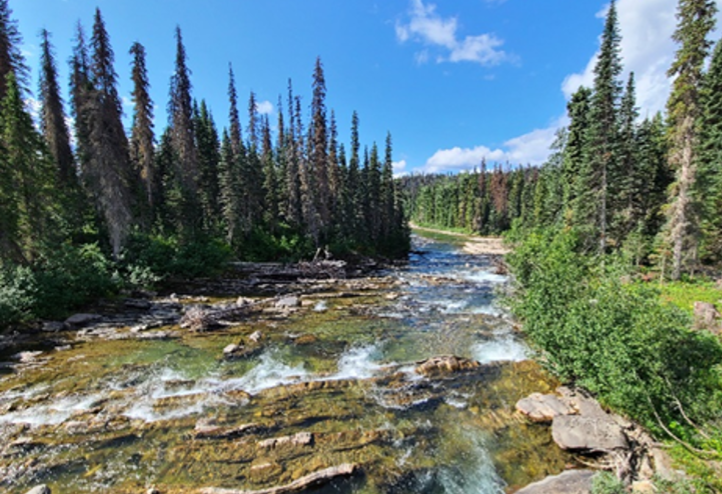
(406, 380)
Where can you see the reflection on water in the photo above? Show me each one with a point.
(116, 416)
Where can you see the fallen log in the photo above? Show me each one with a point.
(310, 480)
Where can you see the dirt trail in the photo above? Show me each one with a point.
(472, 244)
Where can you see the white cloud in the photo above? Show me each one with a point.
(529, 149)
(428, 27)
(399, 168)
(647, 49)
(264, 107)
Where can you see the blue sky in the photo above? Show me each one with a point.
(453, 80)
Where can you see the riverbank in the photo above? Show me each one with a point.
(471, 244)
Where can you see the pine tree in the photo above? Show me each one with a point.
(11, 58)
(142, 137)
(708, 185)
(52, 118)
(208, 145)
(596, 186)
(230, 192)
(180, 111)
(270, 180)
(575, 152)
(627, 203)
(388, 197)
(108, 168)
(26, 209)
(318, 151)
(80, 91)
(293, 209)
(696, 19)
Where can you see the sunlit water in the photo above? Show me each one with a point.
(119, 416)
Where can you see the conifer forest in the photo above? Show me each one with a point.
(258, 302)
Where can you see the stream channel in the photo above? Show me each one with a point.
(335, 379)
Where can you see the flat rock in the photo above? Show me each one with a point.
(542, 408)
(288, 302)
(569, 482)
(446, 365)
(52, 326)
(137, 303)
(580, 433)
(79, 320)
(300, 439)
(40, 489)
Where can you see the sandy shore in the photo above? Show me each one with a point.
(472, 244)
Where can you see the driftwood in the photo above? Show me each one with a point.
(317, 269)
(313, 479)
(200, 319)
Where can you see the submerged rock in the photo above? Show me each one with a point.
(41, 489)
(313, 479)
(569, 482)
(300, 439)
(446, 365)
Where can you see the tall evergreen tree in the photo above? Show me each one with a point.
(596, 186)
(318, 150)
(696, 19)
(180, 111)
(80, 91)
(11, 57)
(109, 169)
(576, 151)
(52, 118)
(142, 138)
(708, 185)
(208, 145)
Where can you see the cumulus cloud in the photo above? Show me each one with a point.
(426, 26)
(647, 49)
(531, 148)
(264, 107)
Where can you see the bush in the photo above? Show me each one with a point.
(596, 328)
(152, 258)
(17, 294)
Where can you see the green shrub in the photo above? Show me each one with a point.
(606, 483)
(596, 328)
(17, 294)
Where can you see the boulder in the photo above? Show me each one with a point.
(52, 326)
(40, 489)
(255, 337)
(569, 482)
(588, 434)
(288, 302)
(542, 408)
(706, 316)
(80, 320)
(445, 365)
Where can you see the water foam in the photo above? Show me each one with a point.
(504, 348)
(359, 363)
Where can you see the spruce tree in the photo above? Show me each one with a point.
(52, 118)
(318, 150)
(180, 111)
(108, 168)
(696, 19)
(142, 137)
(596, 185)
(576, 151)
(208, 145)
(11, 58)
(80, 91)
(708, 185)
(626, 202)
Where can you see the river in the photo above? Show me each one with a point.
(336, 380)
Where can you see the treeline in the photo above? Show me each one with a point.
(480, 201)
(651, 188)
(182, 201)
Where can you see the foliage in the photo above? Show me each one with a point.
(685, 293)
(158, 257)
(612, 336)
(606, 483)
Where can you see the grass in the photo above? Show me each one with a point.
(684, 294)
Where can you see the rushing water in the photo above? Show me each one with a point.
(119, 416)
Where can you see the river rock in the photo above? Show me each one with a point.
(542, 408)
(288, 302)
(264, 472)
(80, 320)
(137, 303)
(569, 482)
(255, 337)
(40, 489)
(580, 433)
(445, 365)
(300, 439)
(52, 326)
